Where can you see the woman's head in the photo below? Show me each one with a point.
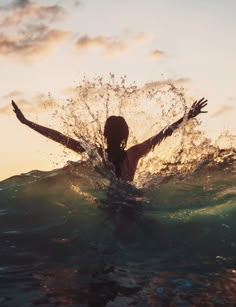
(116, 131)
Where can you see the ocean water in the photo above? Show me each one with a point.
(76, 236)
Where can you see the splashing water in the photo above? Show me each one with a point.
(147, 109)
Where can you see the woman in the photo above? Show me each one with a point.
(116, 134)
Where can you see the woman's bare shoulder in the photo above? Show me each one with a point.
(139, 150)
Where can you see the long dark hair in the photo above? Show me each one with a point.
(116, 132)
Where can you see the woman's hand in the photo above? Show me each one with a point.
(197, 107)
(19, 114)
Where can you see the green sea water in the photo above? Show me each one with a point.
(76, 237)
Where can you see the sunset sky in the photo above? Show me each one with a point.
(48, 46)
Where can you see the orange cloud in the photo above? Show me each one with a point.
(139, 37)
(25, 10)
(37, 41)
(26, 33)
(86, 42)
(36, 104)
(110, 46)
(43, 102)
(223, 110)
(12, 94)
(159, 84)
(7, 109)
(156, 54)
(115, 47)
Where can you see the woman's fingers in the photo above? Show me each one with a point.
(202, 103)
(15, 107)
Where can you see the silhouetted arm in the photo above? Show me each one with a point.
(144, 148)
(48, 132)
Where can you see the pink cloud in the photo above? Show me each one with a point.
(110, 46)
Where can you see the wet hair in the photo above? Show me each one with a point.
(116, 132)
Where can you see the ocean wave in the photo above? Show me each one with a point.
(77, 236)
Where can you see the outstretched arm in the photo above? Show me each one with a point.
(49, 133)
(145, 147)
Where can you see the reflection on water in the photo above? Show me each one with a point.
(89, 287)
(192, 289)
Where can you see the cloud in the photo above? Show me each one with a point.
(39, 40)
(115, 47)
(77, 2)
(27, 32)
(24, 45)
(222, 110)
(158, 84)
(41, 103)
(12, 94)
(25, 10)
(110, 46)
(86, 42)
(138, 37)
(156, 54)
(7, 109)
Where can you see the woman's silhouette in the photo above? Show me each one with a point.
(116, 133)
